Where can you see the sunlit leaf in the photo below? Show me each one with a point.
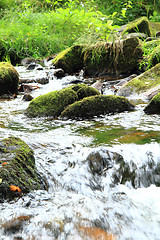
(1, 180)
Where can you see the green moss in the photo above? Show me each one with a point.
(143, 82)
(9, 78)
(138, 25)
(84, 90)
(113, 57)
(95, 106)
(20, 169)
(154, 105)
(53, 103)
(155, 27)
(155, 56)
(70, 60)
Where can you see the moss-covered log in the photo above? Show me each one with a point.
(18, 174)
(9, 79)
(154, 105)
(96, 105)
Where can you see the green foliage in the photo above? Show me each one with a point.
(39, 28)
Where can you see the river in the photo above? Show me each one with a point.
(75, 196)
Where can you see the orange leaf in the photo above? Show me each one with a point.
(4, 163)
(15, 189)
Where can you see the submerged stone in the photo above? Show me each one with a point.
(154, 105)
(96, 105)
(9, 79)
(18, 173)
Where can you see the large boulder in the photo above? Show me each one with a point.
(154, 105)
(53, 103)
(139, 25)
(18, 173)
(111, 165)
(116, 170)
(118, 57)
(9, 79)
(142, 83)
(95, 106)
(70, 60)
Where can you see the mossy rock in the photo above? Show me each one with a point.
(17, 169)
(2, 50)
(70, 60)
(151, 51)
(84, 90)
(95, 106)
(155, 56)
(113, 58)
(155, 28)
(9, 79)
(142, 83)
(53, 103)
(154, 105)
(139, 25)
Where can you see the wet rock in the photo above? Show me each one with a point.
(32, 66)
(9, 79)
(53, 103)
(96, 106)
(27, 97)
(14, 225)
(18, 174)
(27, 88)
(141, 25)
(26, 61)
(93, 233)
(154, 105)
(142, 83)
(59, 73)
(98, 85)
(42, 80)
(107, 163)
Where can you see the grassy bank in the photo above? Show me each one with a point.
(44, 27)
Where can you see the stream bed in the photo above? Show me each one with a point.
(75, 196)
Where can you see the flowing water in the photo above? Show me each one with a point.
(75, 196)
